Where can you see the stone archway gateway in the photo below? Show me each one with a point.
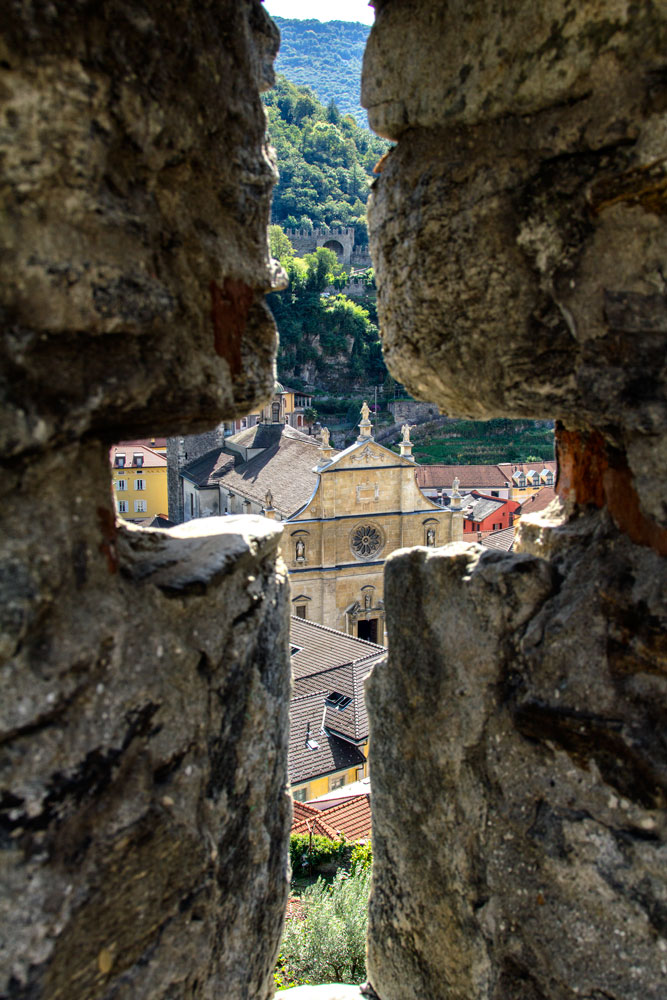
(518, 235)
(336, 247)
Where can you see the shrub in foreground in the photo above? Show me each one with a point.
(326, 943)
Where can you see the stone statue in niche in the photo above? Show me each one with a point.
(324, 433)
(430, 536)
(300, 551)
(368, 600)
(405, 430)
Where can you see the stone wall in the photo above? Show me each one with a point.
(518, 758)
(144, 676)
(406, 410)
(519, 772)
(185, 449)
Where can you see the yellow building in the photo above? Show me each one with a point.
(287, 406)
(526, 479)
(366, 505)
(139, 481)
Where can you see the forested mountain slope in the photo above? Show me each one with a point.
(325, 161)
(326, 57)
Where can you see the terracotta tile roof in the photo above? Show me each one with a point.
(285, 468)
(154, 443)
(503, 540)
(538, 501)
(209, 468)
(306, 819)
(327, 753)
(351, 819)
(508, 468)
(151, 459)
(471, 476)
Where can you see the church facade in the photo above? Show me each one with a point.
(366, 505)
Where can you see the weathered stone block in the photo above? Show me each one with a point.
(136, 178)
(519, 776)
(518, 227)
(144, 676)
(144, 724)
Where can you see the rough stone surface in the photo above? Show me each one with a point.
(519, 825)
(518, 759)
(143, 718)
(136, 179)
(518, 228)
(333, 991)
(144, 675)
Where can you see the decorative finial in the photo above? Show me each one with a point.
(365, 411)
(324, 434)
(268, 499)
(405, 430)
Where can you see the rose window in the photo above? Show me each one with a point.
(366, 540)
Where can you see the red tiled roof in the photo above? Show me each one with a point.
(350, 819)
(151, 459)
(471, 477)
(508, 468)
(539, 501)
(307, 819)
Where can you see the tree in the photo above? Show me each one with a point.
(327, 944)
(310, 417)
(280, 246)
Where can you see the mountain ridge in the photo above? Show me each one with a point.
(325, 56)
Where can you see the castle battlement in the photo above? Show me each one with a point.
(340, 239)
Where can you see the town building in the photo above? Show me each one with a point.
(526, 478)
(366, 505)
(139, 480)
(268, 468)
(287, 406)
(348, 819)
(509, 480)
(483, 514)
(328, 721)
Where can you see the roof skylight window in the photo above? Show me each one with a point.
(337, 700)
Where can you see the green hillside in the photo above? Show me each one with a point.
(326, 57)
(325, 161)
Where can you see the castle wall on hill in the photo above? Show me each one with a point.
(338, 239)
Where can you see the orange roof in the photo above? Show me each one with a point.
(352, 818)
(307, 819)
(150, 459)
(538, 501)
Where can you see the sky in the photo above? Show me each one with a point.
(322, 10)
